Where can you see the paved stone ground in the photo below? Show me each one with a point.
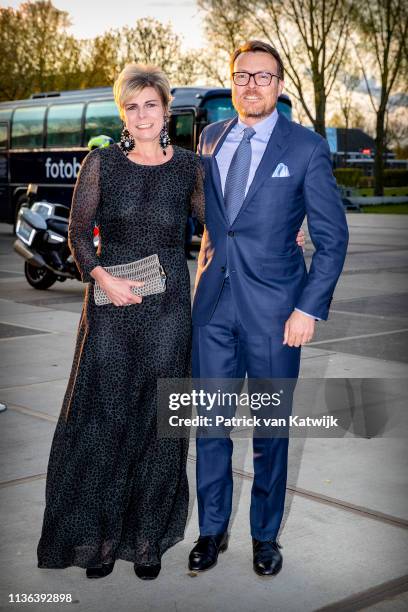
(345, 532)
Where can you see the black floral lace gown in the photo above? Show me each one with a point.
(115, 490)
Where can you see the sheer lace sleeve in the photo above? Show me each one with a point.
(84, 207)
(197, 198)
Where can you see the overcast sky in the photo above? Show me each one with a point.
(92, 17)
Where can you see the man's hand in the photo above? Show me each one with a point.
(299, 329)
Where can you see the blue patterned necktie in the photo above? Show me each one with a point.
(237, 177)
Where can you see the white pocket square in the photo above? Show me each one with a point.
(280, 171)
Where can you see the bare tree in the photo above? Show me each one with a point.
(381, 48)
(213, 68)
(188, 69)
(225, 26)
(311, 35)
(357, 119)
(348, 83)
(397, 124)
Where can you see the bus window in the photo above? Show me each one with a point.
(28, 127)
(284, 109)
(181, 129)
(5, 114)
(3, 135)
(64, 125)
(102, 118)
(219, 109)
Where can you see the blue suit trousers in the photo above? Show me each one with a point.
(223, 349)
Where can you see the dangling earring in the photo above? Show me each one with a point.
(127, 142)
(164, 136)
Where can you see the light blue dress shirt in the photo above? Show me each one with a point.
(263, 130)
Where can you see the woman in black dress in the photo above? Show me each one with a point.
(114, 489)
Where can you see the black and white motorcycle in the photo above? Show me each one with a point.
(42, 235)
(42, 240)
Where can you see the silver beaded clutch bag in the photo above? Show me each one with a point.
(147, 270)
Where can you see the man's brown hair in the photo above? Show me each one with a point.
(254, 46)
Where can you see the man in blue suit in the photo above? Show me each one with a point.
(255, 302)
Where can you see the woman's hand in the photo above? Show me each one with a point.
(300, 239)
(118, 290)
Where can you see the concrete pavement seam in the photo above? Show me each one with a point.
(317, 497)
(344, 339)
(361, 601)
(331, 501)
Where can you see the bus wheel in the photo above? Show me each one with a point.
(39, 278)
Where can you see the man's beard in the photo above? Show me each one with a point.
(253, 113)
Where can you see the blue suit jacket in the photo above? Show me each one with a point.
(267, 270)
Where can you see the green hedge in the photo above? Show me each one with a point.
(349, 177)
(366, 182)
(395, 177)
(353, 177)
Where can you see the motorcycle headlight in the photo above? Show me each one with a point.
(54, 238)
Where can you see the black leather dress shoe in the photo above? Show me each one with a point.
(101, 571)
(205, 554)
(267, 557)
(147, 572)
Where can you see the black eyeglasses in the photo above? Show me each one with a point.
(261, 78)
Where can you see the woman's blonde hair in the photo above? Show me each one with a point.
(135, 77)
